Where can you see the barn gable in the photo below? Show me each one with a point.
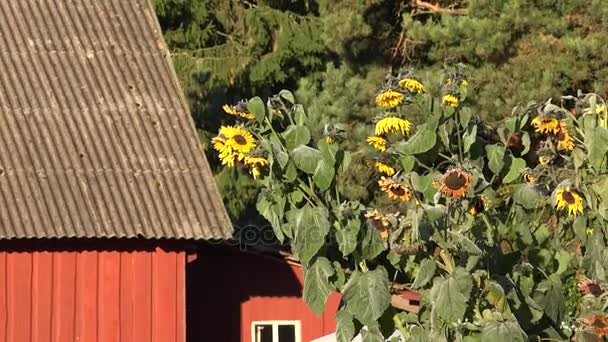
(95, 136)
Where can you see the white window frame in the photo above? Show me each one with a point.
(275, 329)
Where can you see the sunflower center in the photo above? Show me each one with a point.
(595, 289)
(398, 190)
(561, 136)
(240, 140)
(599, 323)
(568, 197)
(455, 181)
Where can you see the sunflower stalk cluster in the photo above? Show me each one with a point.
(501, 230)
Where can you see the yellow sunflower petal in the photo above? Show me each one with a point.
(566, 198)
(411, 84)
(389, 99)
(450, 100)
(391, 124)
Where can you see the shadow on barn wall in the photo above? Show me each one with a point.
(222, 279)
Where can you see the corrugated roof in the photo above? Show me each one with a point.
(95, 135)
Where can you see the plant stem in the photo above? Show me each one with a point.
(460, 147)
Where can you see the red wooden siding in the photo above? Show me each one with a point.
(228, 289)
(263, 308)
(92, 295)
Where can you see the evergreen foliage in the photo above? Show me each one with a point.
(332, 51)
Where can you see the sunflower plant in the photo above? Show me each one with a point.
(501, 229)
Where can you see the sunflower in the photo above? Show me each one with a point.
(545, 124)
(238, 139)
(379, 143)
(240, 111)
(330, 139)
(384, 168)
(450, 100)
(379, 222)
(565, 198)
(454, 182)
(564, 139)
(395, 190)
(389, 99)
(255, 164)
(226, 154)
(528, 176)
(590, 287)
(412, 84)
(598, 322)
(392, 124)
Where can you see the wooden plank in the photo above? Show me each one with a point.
(142, 296)
(126, 296)
(42, 285)
(108, 306)
(86, 296)
(181, 297)
(64, 295)
(163, 296)
(19, 273)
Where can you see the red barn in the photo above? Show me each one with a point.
(254, 297)
(102, 180)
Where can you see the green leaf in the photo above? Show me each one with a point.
(272, 208)
(299, 115)
(339, 278)
(343, 158)
(312, 225)
(450, 295)
(423, 140)
(496, 296)
(372, 334)
(324, 175)
(328, 152)
(517, 164)
(469, 137)
(549, 294)
(316, 284)
(257, 108)
(345, 327)
(288, 95)
(597, 144)
(372, 244)
(424, 184)
(366, 294)
(306, 158)
(295, 136)
(291, 172)
(525, 195)
(347, 236)
(407, 163)
(563, 260)
(425, 273)
(505, 331)
(511, 124)
(496, 158)
(525, 140)
(578, 156)
(465, 117)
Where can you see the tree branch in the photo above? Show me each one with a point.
(438, 9)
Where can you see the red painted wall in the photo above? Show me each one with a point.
(101, 292)
(228, 289)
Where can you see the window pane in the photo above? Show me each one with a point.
(287, 333)
(263, 332)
